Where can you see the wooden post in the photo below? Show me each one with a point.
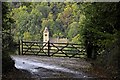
(19, 47)
(22, 46)
(48, 48)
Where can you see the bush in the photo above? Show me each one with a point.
(7, 62)
(109, 59)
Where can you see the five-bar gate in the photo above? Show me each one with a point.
(51, 49)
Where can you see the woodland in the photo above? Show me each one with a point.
(93, 24)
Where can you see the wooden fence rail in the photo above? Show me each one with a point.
(51, 49)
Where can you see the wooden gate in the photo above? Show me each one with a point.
(52, 49)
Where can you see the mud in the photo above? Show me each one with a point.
(53, 67)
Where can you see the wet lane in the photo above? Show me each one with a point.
(45, 69)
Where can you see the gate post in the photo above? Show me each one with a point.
(22, 46)
(18, 47)
(49, 48)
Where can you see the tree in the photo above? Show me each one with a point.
(73, 30)
(99, 28)
(8, 44)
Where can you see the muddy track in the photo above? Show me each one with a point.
(52, 67)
